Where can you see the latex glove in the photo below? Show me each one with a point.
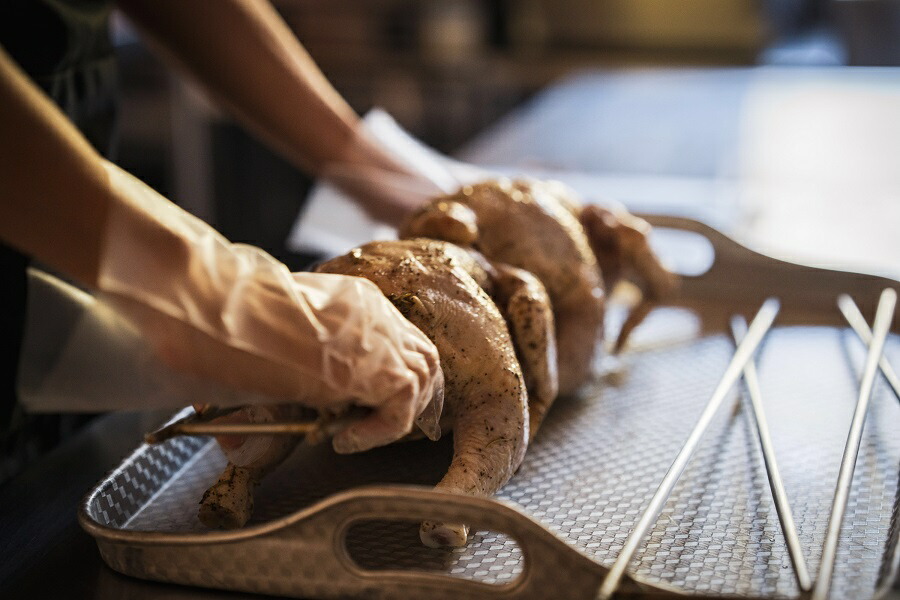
(233, 314)
(79, 355)
(385, 170)
(507, 217)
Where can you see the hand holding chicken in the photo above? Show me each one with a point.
(510, 338)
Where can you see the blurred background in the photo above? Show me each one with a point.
(647, 89)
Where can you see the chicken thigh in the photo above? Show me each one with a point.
(540, 227)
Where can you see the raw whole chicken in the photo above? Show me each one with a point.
(486, 320)
(576, 251)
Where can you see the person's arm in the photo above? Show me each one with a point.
(245, 56)
(226, 312)
(54, 192)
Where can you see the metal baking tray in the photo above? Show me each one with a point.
(328, 526)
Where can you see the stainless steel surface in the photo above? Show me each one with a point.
(758, 329)
(757, 418)
(883, 318)
(858, 323)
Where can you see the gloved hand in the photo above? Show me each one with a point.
(539, 226)
(388, 172)
(233, 314)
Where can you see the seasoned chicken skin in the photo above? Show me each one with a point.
(566, 255)
(540, 227)
(446, 292)
(462, 303)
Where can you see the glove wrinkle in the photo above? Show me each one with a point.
(232, 313)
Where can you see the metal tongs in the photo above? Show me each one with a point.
(203, 423)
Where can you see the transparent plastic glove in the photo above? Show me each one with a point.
(386, 171)
(383, 175)
(233, 314)
(79, 355)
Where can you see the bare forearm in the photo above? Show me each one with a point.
(249, 61)
(247, 58)
(56, 194)
(52, 185)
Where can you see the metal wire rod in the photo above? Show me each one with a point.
(761, 324)
(776, 485)
(194, 424)
(858, 323)
(176, 429)
(883, 317)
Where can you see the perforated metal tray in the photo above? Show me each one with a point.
(321, 530)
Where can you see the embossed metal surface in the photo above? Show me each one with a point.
(587, 477)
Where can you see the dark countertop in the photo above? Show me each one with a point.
(45, 553)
